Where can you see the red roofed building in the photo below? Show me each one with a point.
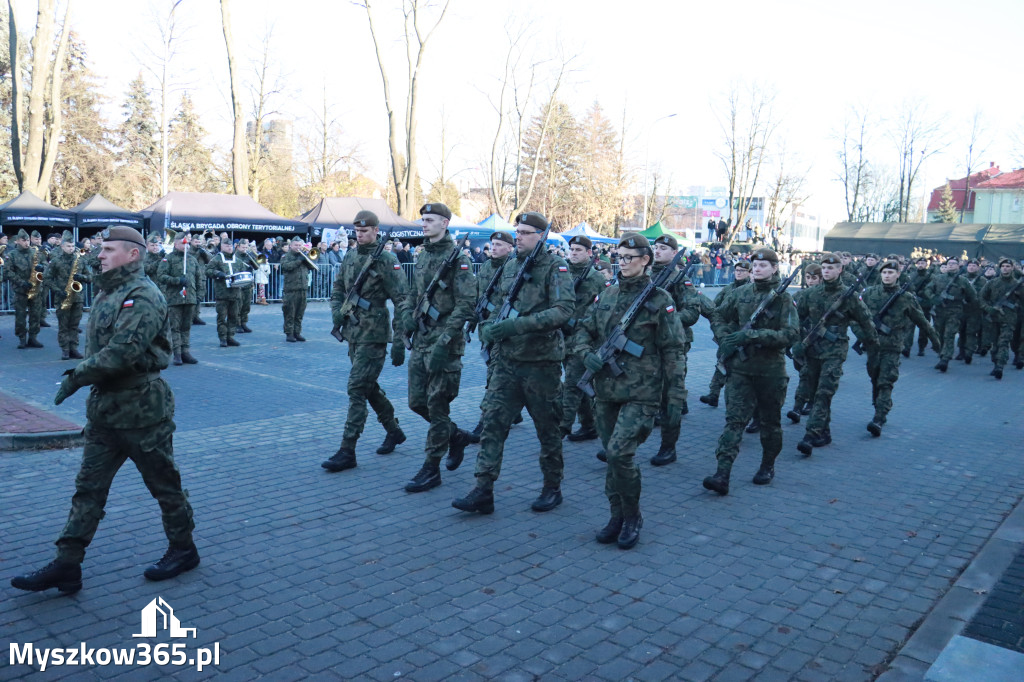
(1000, 200)
(959, 188)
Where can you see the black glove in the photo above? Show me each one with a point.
(182, 281)
(40, 267)
(81, 278)
(219, 275)
(23, 287)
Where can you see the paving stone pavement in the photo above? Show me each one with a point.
(819, 576)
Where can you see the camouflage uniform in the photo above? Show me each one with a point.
(525, 366)
(718, 379)
(431, 393)
(920, 279)
(573, 399)
(18, 271)
(295, 271)
(970, 327)
(244, 291)
(367, 332)
(58, 272)
(803, 394)
(227, 297)
(1004, 317)
(151, 263)
(627, 404)
(130, 409)
(169, 277)
(202, 257)
(948, 308)
(483, 278)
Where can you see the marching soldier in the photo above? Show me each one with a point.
(154, 255)
(756, 384)
(526, 354)
(181, 278)
(802, 397)
(295, 268)
(246, 257)
(1002, 300)
(825, 356)
(222, 269)
(62, 273)
(948, 292)
(367, 328)
(20, 269)
(435, 364)
(130, 413)
(203, 257)
(872, 276)
(741, 274)
(970, 327)
(920, 278)
(884, 359)
(588, 283)
(627, 404)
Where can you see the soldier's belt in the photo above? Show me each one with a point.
(125, 383)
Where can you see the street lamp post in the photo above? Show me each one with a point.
(647, 161)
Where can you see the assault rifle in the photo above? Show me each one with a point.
(425, 305)
(761, 310)
(815, 333)
(483, 305)
(353, 297)
(882, 327)
(945, 295)
(1004, 300)
(617, 341)
(507, 310)
(578, 279)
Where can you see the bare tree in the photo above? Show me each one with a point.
(853, 162)
(239, 172)
(917, 137)
(747, 124)
(34, 166)
(264, 91)
(158, 60)
(330, 165)
(975, 149)
(787, 187)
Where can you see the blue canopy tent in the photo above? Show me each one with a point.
(586, 231)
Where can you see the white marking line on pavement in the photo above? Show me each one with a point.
(273, 377)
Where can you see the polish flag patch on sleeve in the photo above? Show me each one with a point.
(129, 303)
(670, 309)
(464, 266)
(562, 268)
(398, 266)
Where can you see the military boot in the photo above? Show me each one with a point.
(906, 352)
(474, 435)
(187, 358)
(997, 372)
(806, 409)
(765, 473)
(33, 342)
(300, 337)
(630, 533)
(478, 500)
(74, 354)
(64, 354)
(804, 446)
(602, 455)
(65, 576)
(875, 427)
(177, 359)
(583, 434)
(610, 533)
(710, 399)
(196, 322)
(289, 338)
(457, 443)
(920, 352)
(44, 323)
(959, 355)
(232, 342)
(754, 426)
(223, 343)
(968, 357)
(429, 476)
(1018, 361)
(549, 498)
(344, 458)
(22, 343)
(821, 441)
(396, 437)
(794, 414)
(245, 329)
(666, 455)
(942, 366)
(175, 561)
(719, 482)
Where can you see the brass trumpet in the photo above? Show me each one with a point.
(311, 258)
(3, 248)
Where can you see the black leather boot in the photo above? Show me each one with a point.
(583, 434)
(232, 342)
(394, 438)
(610, 533)
(710, 399)
(997, 372)
(630, 533)
(548, 499)
(300, 337)
(719, 482)
(175, 561)
(457, 443)
(602, 455)
(344, 458)
(754, 426)
(666, 455)
(874, 428)
(74, 354)
(820, 441)
(245, 329)
(289, 338)
(187, 358)
(474, 435)
(794, 414)
(66, 577)
(942, 366)
(429, 476)
(177, 360)
(478, 500)
(765, 474)
(33, 342)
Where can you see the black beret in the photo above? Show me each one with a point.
(582, 241)
(366, 219)
(503, 236)
(436, 209)
(634, 241)
(123, 234)
(533, 219)
(765, 254)
(667, 240)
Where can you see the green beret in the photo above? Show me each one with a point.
(831, 259)
(533, 219)
(975, 261)
(813, 270)
(154, 238)
(951, 258)
(365, 219)
(668, 240)
(742, 265)
(122, 233)
(582, 241)
(503, 236)
(765, 254)
(36, 235)
(894, 256)
(889, 265)
(22, 234)
(1004, 259)
(436, 209)
(634, 241)
(872, 255)
(303, 241)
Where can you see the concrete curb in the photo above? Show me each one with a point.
(954, 611)
(44, 440)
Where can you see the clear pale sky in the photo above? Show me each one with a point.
(654, 58)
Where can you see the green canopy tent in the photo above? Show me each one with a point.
(950, 239)
(656, 230)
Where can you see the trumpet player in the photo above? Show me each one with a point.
(180, 278)
(296, 267)
(222, 270)
(24, 268)
(66, 277)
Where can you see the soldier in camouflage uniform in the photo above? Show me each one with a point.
(154, 255)
(435, 364)
(802, 397)
(948, 292)
(221, 269)
(757, 384)
(130, 413)
(825, 357)
(884, 360)
(243, 251)
(627, 404)
(526, 357)
(920, 278)
(587, 283)
(198, 249)
(36, 242)
(970, 327)
(741, 276)
(67, 264)
(22, 262)
(368, 331)
(1003, 310)
(181, 279)
(295, 271)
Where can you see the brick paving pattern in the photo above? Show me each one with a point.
(1000, 620)
(819, 576)
(18, 416)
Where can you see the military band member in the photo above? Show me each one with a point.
(526, 354)
(367, 330)
(222, 270)
(154, 255)
(948, 293)
(36, 242)
(741, 276)
(65, 271)
(182, 280)
(1003, 308)
(22, 264)
(245, 250)
(130, 412)
(591, 283)
(202, 256)
(435, 364)
(295, 268)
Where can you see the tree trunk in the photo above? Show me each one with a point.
(41, 42)
(56, 108)
(239, 174)
(16, 95)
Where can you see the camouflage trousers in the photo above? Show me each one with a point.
(575, 401)
(717, 383)
(106, 449)
(883, 370)
(803, 394)
(180, 318)
(293, 305)
(970, 331)
(623, 428)
(367, 363)
(1003, 338)
(947, 324)
(27, 314)
(244, 305)
(922, 338)
(673, 396)
(823, 375)
(67, 325)
(511, 386)
(748, 396)
(227, 318)
(430, 396)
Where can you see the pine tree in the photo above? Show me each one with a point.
(190, 161)
(138, 150)
(948, 212)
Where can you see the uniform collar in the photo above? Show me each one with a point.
(633, 284)
(111, 279)
(445, 243)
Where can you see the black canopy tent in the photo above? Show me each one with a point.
(96, 213)
(199, 212)
(951, 239)
(338, 213)
(29, 211)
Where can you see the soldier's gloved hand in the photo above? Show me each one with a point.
(438, 358)
(738, 338)
(496, 331)
(397, 353)
(409, 324)
(68, 386)
(799, 351)
(218, 275)
(81, 279)
(593, 362)
(182, 281)
(40, 267)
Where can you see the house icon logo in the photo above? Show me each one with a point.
(159, 612)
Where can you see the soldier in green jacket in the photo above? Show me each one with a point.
(825, 356)
(222, 270)
(627, 404)
(1003, 308)
(756, 383)
(884, 359)
(295, 269)
(948, 293)
(181, 279)
(526, 357)
(587, 284)
(969, 339)
(802, 397)
(203, 256)
(154, 255)
(435, 327)
(741, 274)
(367, 328)
(23, 264)
(65, 272)
(130, 413)
(920, 277)
(244, 250)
